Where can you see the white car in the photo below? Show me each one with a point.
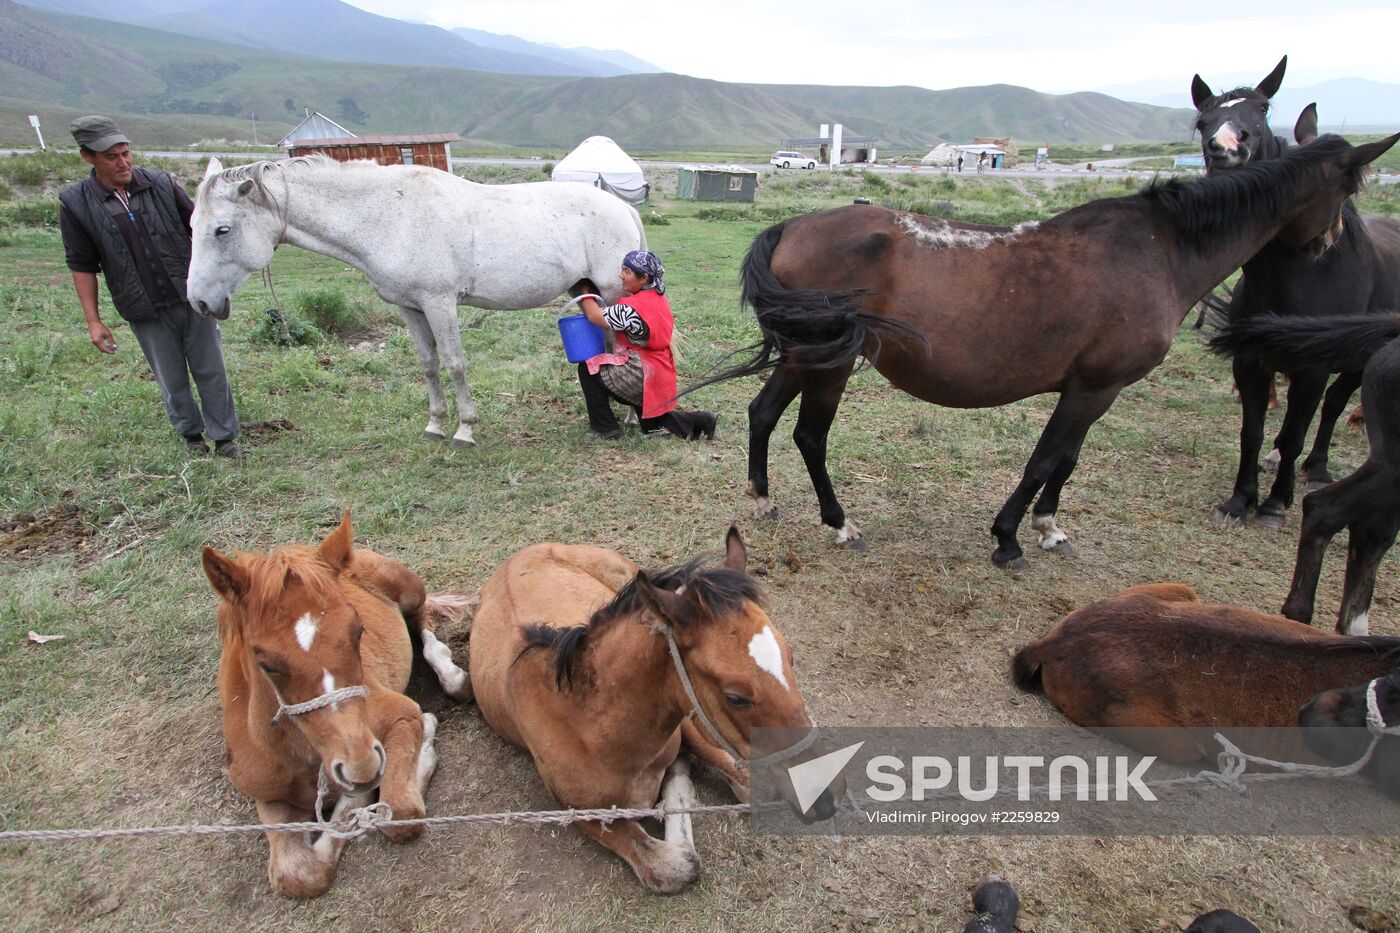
(792, 160)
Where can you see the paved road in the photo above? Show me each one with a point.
(1051, 174)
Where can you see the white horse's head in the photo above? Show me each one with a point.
(237, 224)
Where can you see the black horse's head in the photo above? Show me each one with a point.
(1234, 125)
(1339, 726)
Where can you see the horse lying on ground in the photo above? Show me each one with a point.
(588, 663)
(1350, 708)
(316, 653)
(1155, 656)
(1368, 501)
(971, 316)
(426, 240)
(1358, 274)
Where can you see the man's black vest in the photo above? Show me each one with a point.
(169, 236)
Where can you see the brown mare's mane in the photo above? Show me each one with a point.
(718, 591)
(1208, 210)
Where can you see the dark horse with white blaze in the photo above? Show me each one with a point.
(1367, 502)
(1358, 274)
(972, 316)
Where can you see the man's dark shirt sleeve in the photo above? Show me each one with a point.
(185, 205)
(79, 251)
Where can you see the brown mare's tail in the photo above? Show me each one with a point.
(1342, 344)
(1025, 668)
(825, 328)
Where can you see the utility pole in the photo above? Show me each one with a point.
(255, 128)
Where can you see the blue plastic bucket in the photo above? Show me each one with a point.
(582, 338)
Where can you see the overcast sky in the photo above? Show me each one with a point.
(1055, 47)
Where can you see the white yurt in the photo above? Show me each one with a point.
(600, 162)
(940, 155)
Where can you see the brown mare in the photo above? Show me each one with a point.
(971, 316)
(316, 654)
(571, 659)
(1155, 656)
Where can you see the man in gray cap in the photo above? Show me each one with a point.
(133, 225)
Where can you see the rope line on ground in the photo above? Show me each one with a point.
(1232, 762)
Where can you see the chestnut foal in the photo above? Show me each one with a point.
(582, 659)
(316, 654)
(1156, 656)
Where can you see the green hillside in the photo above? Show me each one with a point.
(176, 90)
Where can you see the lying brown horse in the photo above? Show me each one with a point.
(1155, 656)
(580, 658)
(316, 654)
(971, 316)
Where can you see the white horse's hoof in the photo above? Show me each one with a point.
(434, 435)
(463, 443)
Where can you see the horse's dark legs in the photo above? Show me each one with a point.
(1333, 404)
(1043, 515)
(821, 394)
(1370, 539)
(1324, 514)
(764, 411)
(1305, 388)
(1252, 382)
(1063, 435)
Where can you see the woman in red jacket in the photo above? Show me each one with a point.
(641, 372)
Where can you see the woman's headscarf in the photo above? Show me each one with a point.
(644, 263)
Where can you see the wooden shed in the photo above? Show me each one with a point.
(431, 149)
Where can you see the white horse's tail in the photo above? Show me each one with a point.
(450, 607)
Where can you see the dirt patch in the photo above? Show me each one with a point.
(258, 433)
(58, 529)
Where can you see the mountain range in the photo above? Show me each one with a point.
(277, 60)
(335, 30)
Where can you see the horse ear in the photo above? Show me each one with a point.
(213, 168)
(1305, 130)
(1270, 85)
(1200, 92)
(664, 605)
(226, 576)
(336, 549)
(736, 556)
(1365, 155)
(244, 188)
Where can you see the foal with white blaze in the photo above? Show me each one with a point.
(316, 654)
(596, 667)
(426, 240)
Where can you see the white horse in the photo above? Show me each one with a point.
(426, 240)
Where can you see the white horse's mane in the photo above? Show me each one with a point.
(258, 172)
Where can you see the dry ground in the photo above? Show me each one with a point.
(918, 631)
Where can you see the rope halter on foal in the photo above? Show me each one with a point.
(315, 703)
(1233, 760)
(740, 761)
(1375, 719)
